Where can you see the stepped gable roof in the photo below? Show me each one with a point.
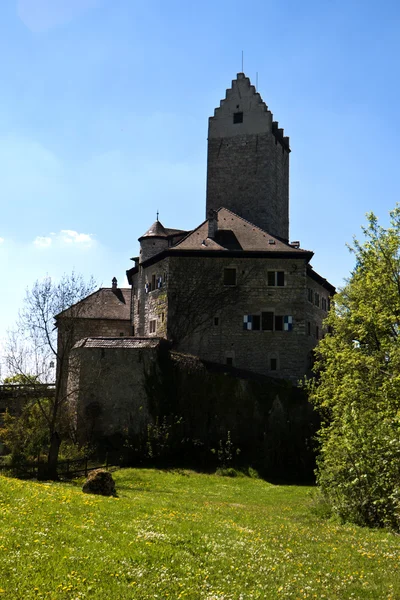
(235, 233)
(105, 303)
(156, 230)
(119, 342)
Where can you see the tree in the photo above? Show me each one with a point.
(35, 349)
(357, 384)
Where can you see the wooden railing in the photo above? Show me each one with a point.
(32, 390)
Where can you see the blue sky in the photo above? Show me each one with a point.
(103, 120)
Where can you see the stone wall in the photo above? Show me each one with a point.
(206, 318)
(150, 304)
(119, 392)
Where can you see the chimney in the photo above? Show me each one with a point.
(212, 223)
(114, 283)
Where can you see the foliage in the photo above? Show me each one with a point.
(25, 435)
(34, 351)
(226, 453)
(185, 535)
(21, 379)
(357, 388)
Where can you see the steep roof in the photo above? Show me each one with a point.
(156, 230)
(235, 233)
(105, 303)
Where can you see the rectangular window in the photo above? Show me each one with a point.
(229, 361)
(256, 322)
(323, 303)
(229, 276)
(267, 321)
(278, 323)
(316, 299)
(237, 118)
(276, 278)
(153, 283)
(216, 321)
(152, 326)
(308, 328)
(310, 295)
(273, 364)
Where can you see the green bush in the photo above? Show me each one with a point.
(357, 386)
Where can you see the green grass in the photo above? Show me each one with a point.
(185, 535)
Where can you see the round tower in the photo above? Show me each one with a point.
(154, 241)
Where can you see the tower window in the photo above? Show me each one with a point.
(216, 321)
(273, 364)
(237, 118)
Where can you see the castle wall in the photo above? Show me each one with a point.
(107, 390)
(249, 175)
(206, 318)
(119, 392)
(151, 305)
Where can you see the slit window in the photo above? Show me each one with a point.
(273, 364)
(216, 321)
(237, 118)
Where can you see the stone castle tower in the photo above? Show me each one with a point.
(248, 161)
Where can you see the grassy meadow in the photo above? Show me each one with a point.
(181, 534)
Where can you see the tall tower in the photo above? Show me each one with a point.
(248, 160)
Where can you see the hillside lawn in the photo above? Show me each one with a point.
(180, 534)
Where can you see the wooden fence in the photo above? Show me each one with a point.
(66, 469)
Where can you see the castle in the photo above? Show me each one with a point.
(234, 290)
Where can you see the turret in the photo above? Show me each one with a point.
(154, 241)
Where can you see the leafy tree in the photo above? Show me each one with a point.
(34, 351)
(357, 384)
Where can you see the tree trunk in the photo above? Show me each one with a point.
(55, 442)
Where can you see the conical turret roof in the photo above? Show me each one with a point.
(156, 230)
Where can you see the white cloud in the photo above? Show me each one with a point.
(1, 240)
(42, 242)
(66, 237)
(73, 237)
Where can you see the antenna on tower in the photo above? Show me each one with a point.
(157, 214)
(242, 62)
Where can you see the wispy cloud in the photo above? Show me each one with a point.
(66, 237)
(42, 242)
(1, 240)
(73, 237)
